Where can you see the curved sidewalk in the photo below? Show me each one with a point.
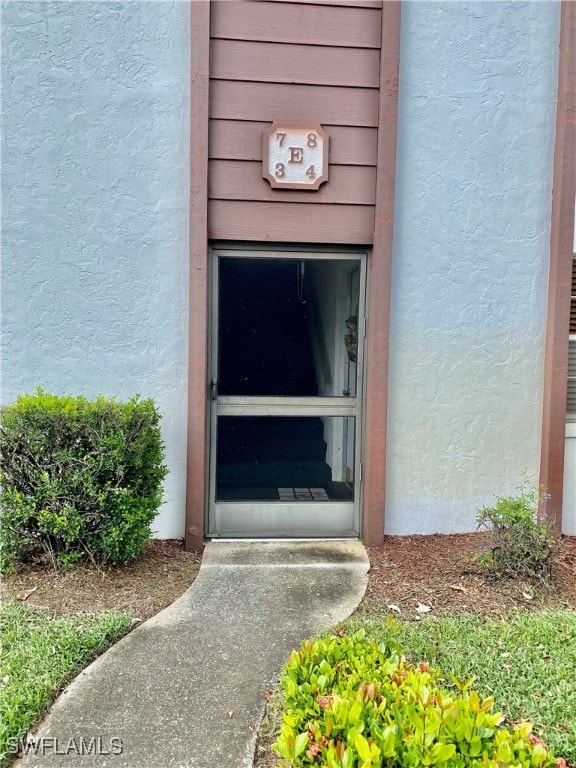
(186, 688)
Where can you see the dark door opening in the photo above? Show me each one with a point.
(264, 329)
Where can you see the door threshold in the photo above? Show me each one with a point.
(217, 540)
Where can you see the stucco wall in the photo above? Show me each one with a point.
(473, 189)
(95, 208)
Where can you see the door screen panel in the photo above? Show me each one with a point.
(285, 459)
(288, 327)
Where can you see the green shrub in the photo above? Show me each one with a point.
(79, 478)
(350, 702)
(526, 660)
(520, 545)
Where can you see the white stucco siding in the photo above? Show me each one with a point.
(470, 262)
(95, 168)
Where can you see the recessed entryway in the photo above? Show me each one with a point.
(286, 405)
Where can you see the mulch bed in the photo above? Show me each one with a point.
(440, 572)
(141, 588)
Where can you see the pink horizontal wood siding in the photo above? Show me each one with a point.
(269, 101)
(315, 62)
(282, 63)
(290, 222)
(351, 3)
(241, 180)
(236, 137)
(297, 23)
(242, 140)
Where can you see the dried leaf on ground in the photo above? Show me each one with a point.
(27, 594)
(141, 588)
(441, 571)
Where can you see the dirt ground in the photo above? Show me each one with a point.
(436, 571)
(440, 572)
(141, 588)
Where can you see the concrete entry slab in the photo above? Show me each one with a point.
(186, 689)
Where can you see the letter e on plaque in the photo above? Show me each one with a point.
(295, 155)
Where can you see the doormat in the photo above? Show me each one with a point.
(302, 494)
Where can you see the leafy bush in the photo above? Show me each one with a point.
(79, 478)
(353, 703)
(520, 545)
(526, 660)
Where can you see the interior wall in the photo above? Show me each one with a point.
(95, 178)
(330, 289)
(471, 238)
(324, 326)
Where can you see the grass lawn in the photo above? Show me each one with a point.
(526, 660)
(39, 656)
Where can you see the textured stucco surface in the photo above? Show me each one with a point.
(473, 189)
(95, 208)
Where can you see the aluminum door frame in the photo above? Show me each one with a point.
(225, 519)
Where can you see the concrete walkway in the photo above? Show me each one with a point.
(186, 689)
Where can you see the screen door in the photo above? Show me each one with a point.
(286, 393)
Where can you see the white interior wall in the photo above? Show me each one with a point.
(330, 288)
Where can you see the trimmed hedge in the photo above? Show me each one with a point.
(80, 479)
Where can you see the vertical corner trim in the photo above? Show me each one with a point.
(380, 279)
(198, 274)
(560, 273)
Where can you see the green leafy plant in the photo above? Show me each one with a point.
(350, 702)
(520, 545)
(526, 660)
(78, 478)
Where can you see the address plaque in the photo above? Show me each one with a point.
(295, 155)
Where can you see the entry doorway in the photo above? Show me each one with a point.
(287, 354)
